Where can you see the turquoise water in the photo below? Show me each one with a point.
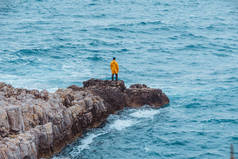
(188, 48)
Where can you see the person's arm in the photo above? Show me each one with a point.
(117, 67)
(111, 65)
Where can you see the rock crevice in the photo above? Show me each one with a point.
(35, 124)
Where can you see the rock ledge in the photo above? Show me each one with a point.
(35, 124)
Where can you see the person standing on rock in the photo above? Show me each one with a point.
(114, 68)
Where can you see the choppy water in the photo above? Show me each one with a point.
(188, 48)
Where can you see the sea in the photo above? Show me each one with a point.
(187, 48)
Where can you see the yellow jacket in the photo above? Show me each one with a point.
(114, 67)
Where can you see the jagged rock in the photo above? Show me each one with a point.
(37, 124)
(138, 86)
(138, 95)
(4, 125)
(15, 119)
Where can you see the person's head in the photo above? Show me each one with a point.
(114, 58)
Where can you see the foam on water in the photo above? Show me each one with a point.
(122, 124)
(85, 143)
(115, 123)
(145, 113)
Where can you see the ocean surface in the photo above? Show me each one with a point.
(188, 48)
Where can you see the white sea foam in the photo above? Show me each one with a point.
(145, 113)
(147, 149)
(122, 124)
(85, 143)
(52, 90)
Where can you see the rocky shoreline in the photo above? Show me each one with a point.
(37, 124)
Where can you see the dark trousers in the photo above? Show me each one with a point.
(113, 77)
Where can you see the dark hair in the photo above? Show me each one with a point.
(114, 58)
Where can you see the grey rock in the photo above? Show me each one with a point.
(36, 124)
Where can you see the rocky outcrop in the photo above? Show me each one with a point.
(35, 124)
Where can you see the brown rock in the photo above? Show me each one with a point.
(142, 95)
(37, 124)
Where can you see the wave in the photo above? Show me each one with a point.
(86, 142)
(29, 52)
(122, 124)
(82, 144)
(131, 117)
(219, 121)
(96, 58)
(193, 47)
(114, 29)
(145, 113)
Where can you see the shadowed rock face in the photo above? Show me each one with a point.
(36, 124)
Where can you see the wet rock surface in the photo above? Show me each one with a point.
(35, 124)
